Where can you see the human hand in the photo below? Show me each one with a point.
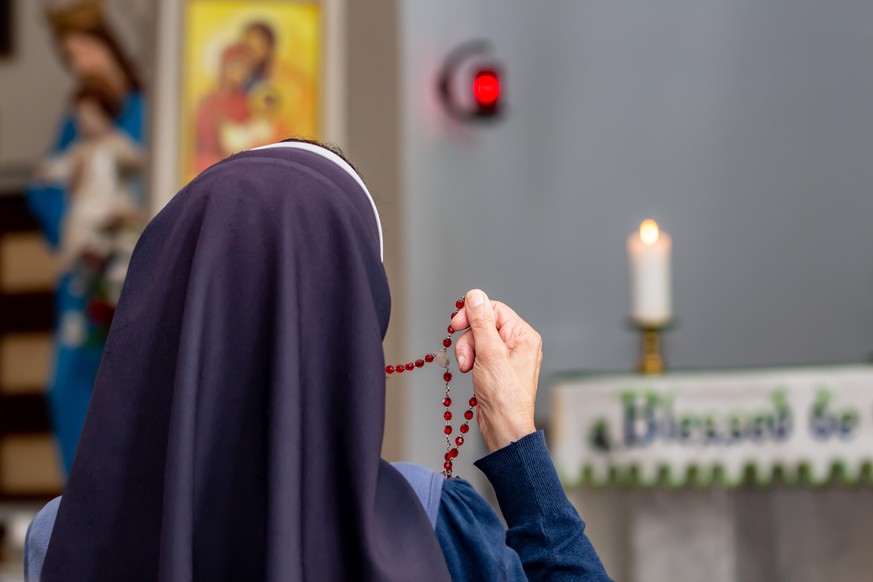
(505, 353)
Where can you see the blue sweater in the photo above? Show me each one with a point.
(546, 537)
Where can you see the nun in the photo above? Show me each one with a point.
(236, 424)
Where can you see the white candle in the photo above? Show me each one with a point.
(651, 294)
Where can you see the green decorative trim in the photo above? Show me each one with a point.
(703, 477)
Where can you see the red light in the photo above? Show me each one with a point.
(486, 88)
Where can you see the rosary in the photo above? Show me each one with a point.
(442, 358)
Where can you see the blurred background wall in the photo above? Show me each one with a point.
(745, 129)
(741, 126)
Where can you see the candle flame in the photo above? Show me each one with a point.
(649, 232)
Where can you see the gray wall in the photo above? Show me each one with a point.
(372, 142)
(33, 88)
(745, 127)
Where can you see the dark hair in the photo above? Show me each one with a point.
(104, 35)
(265, 29)
(96, 90)
(328, 146)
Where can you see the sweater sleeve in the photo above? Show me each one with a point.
(472, 537)
(544, 528)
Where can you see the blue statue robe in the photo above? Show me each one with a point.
(75, 362)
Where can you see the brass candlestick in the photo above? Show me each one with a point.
(651, 359)
(651, 348)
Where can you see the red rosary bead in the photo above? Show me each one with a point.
(443, 359)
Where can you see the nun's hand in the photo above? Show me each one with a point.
(505, 354)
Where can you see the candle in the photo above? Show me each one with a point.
(649, 252)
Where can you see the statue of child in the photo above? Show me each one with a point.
(97, 171)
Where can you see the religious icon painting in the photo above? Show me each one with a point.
(250, 77)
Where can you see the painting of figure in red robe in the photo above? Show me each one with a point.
(250, 77)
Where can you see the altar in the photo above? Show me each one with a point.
(760, 475)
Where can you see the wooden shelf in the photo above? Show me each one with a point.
(24, 415)
(27, 312)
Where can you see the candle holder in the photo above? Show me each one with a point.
(651, 347)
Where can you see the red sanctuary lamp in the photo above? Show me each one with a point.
(486, 92)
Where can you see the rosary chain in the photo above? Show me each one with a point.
(442, 358)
